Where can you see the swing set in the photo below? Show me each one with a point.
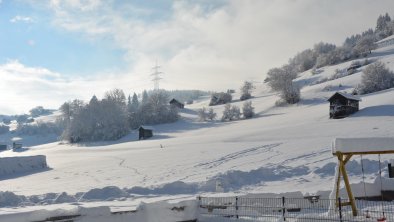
(344, 149)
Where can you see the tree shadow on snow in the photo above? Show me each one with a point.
(382, 110)
(313, 101)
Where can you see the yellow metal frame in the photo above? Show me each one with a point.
(344, 158)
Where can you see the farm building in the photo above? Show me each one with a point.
(342, 105)
(145, 132)
(176, 103)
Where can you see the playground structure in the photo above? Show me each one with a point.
(344, 149)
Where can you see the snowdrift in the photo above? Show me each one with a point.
(21, 165)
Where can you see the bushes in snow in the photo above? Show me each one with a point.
(376, 77)
(248, 110)
(204, 114)
(281, 80)
(220, 98)
(211, 115)
(246, 90)
(231, 112)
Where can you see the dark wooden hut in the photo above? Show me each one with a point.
(342, 105)
(176, 103)
(145, 132)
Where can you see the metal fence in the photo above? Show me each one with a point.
(217, 209)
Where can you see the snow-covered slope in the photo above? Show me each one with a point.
(282, 149)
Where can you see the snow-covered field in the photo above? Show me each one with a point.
(282, 149)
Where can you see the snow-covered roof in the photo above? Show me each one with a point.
(386, 39)
(363, 145)
(348, 96)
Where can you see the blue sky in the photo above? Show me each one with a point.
(29, 37)
(52, 51)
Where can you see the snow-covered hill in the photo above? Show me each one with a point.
(282, 149)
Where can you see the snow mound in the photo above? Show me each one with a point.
(106, 193)
(163, 211)
(22, 164)
(177, 187)
(9, 199)
(65, 198)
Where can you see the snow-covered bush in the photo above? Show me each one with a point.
(211, 115)
(376, 77)
(248, 110)
(291, 94)
(231, 112)
(220, 98)
(202, 114)
(246, 90)
(281, 80)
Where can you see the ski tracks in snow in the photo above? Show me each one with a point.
(237, 155)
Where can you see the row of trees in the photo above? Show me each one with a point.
(322, 54)
(226, 97)
(230, 112)
(112, 117)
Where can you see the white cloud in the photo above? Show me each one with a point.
(19, 18)
(23, 87)
(220, 47)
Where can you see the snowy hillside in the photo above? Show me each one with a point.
(282, 149)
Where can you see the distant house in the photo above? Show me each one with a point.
(342, 105)
(176, 103)
(16, 145)
(145, 132)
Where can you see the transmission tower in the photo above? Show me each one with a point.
(156, 76)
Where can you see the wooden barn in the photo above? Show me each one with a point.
(176, 103)
(145, 132)
(342, 105)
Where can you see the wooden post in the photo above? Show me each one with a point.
(343, 159)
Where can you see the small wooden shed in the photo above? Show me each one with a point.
(176, 103)
(343, 104)
(145, 132)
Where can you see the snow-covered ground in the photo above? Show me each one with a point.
(282, 149)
